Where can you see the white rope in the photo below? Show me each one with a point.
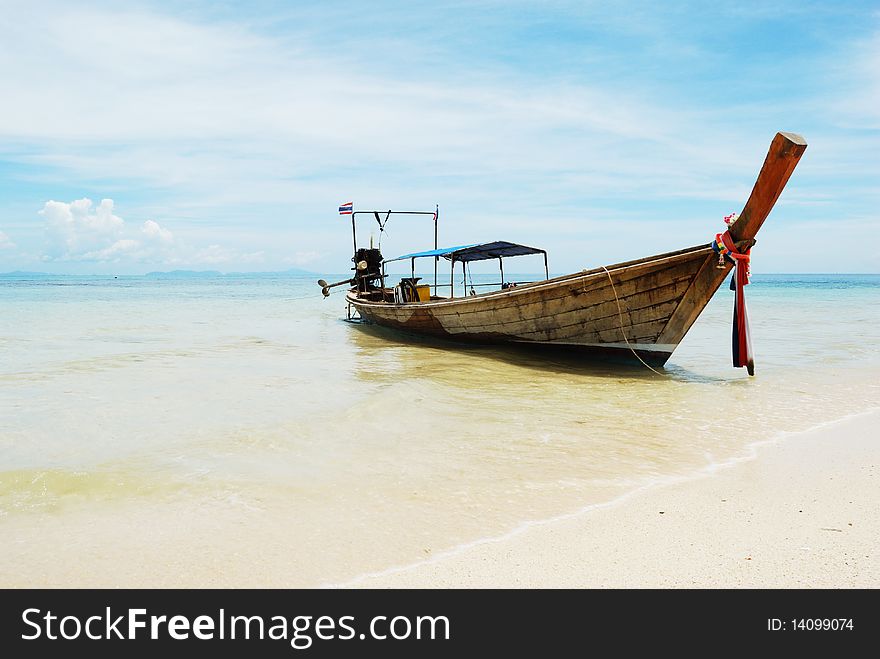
(620, 316)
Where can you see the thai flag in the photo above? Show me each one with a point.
(346, 208)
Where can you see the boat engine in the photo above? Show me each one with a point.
(368, 269)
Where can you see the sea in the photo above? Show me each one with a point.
(236, 430)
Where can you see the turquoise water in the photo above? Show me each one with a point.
(235, 430)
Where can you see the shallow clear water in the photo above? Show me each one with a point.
(235, 430)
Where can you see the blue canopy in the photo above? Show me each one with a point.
(443, 251)
(477, 252)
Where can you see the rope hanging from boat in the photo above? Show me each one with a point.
(727, 251)
(622, 331)
(381, 224)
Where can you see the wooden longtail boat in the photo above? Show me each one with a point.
(643, 307)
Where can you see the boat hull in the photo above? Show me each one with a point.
(613, 311)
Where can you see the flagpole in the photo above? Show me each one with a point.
(436, 246)
(354, 237)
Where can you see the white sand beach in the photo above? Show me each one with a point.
(803, 513)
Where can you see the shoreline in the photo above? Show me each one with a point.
(587, 546)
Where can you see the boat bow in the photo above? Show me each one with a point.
(783, 156)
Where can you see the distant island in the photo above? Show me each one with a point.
(24, 273)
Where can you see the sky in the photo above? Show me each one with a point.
(148, 136)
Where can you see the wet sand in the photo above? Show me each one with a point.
(800, 513)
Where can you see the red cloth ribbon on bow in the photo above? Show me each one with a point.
(742, 341)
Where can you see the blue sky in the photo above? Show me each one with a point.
(223, 135)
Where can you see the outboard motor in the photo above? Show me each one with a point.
(367, 273)
(368, 269)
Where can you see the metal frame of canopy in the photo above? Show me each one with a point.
(462, 253)
(382, 223)
(499, 249)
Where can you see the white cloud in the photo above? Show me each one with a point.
(81, 231)
(302, 258)
(153, 233)
(77, 228)
(6, 241)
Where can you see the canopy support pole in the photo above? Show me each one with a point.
(436, 246)
(452, 279)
